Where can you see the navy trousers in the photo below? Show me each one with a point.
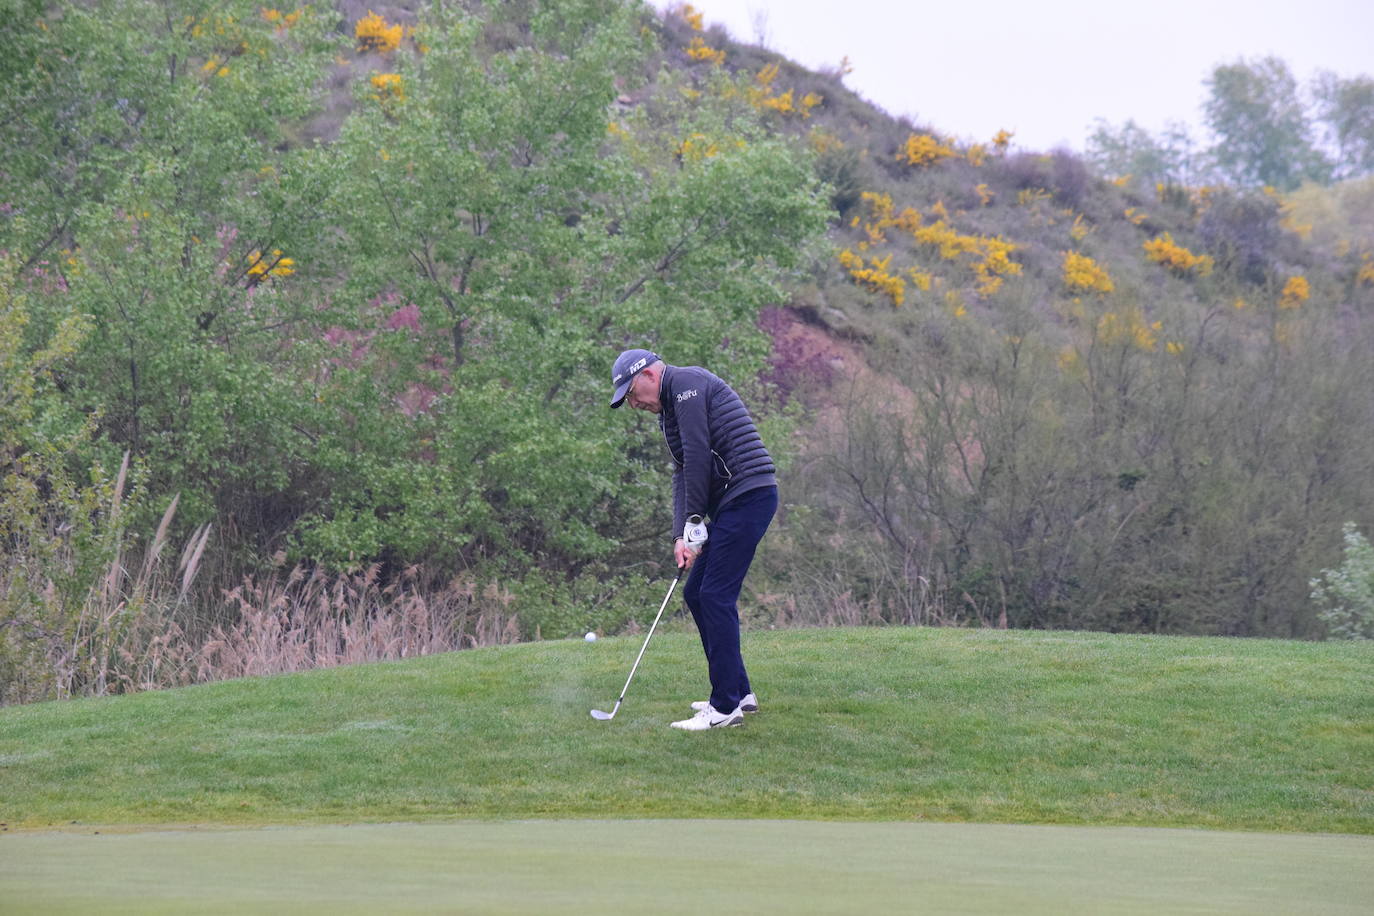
(713, 586)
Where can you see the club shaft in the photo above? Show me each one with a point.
(652, 627)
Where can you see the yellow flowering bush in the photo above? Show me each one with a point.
(373, 34)
(283, 21)
(1002, 140)
(996, 264)
(920, 279)
(700, 51)
(1083, 274)
(762, 96)
(884, 217)
(697, 147)
(1130, 329)
(1295, 292)
(1164, 250)
(260, 267)
(1365, 275)
(925, 149)
(990, 256)
(389, 87)
(875, 275)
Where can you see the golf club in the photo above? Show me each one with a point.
(607, 716)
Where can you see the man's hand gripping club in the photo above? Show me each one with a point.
(686, 548)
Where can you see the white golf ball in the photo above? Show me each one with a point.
(590, 637)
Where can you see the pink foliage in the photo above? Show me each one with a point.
(405, 317)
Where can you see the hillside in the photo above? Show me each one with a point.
(1047, 397)
(856, 724)
(307, 314)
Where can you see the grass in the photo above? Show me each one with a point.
(857, 724)
(654, 866)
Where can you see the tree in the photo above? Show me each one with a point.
(1346, 110)
(1130, 149)
(525, 243)
(1263, 131)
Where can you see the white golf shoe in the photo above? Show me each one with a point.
(709, 718)
(750, 703)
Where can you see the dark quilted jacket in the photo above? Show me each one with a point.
(716, 449)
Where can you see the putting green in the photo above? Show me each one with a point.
(685, 867)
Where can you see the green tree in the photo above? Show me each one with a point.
(1264, 134)
(1346, 110)
(1129, 149)
(487, 210)
(164, 171)
(1345, 595)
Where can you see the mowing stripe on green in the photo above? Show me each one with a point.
(666, 866)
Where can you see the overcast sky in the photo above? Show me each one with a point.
(1047, 68)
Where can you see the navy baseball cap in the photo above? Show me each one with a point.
(623, 372)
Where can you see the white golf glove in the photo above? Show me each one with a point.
(694, 533)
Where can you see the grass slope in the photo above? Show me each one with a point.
(865, 724)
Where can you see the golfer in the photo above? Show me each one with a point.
(722, 473)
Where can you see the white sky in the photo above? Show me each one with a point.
(1047, 68)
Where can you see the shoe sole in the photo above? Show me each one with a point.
(733, 723)
(748, 709)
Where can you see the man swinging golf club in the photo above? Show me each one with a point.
(723, 473)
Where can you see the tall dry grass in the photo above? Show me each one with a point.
(312, 619)
(145, 625)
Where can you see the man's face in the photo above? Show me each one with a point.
(643, 393)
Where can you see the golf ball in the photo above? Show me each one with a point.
(590, 637)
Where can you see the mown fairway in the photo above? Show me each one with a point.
(655, 866)
(871, 724)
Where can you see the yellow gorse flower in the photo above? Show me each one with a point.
(374, 34)
(924, 149)
(1365, 275)
(1083, 273)
(274, 266)
(1129, 328)
(692, 17)
(1295, 292)
(762, 97)
(697, 147)
(875, 275)
(699, 50)
(389, 87)
(1163, 250)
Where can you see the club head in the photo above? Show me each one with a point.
(603, 716)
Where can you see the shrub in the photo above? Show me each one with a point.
(374, 34)
(1164, 250)
(1243, 233)
(1345, 595)
(1083, 274)
(1070, 179)
(925, 149)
